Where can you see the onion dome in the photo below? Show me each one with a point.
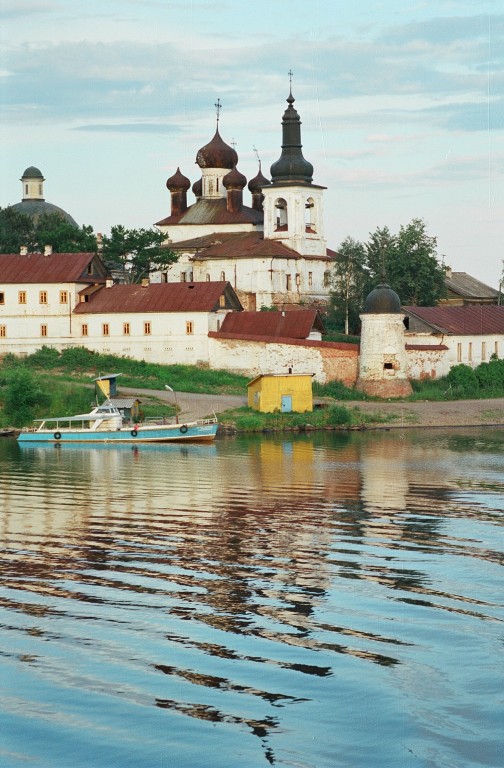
(178, 181)
(216, 154)
(32, 173)
(382, 301)
(291, 165)
(197, 188)
(234, 179)
(258, 182)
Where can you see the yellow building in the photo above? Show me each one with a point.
(281, 392)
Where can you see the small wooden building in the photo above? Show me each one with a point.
(285, 393)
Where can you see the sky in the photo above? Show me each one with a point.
(401, 103)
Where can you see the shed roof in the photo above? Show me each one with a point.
(296, 324)
(55, 268)
(472, 320)
(160, 297)
(469, 287)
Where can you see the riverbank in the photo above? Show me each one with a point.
(432, 414)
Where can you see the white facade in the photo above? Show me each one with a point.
(469, 350)
(294, 215)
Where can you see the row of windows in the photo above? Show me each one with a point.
(147, 329)
(484, 351)
(22, 297)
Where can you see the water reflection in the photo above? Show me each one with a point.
(250, 584)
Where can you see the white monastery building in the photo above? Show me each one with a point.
(273, 253)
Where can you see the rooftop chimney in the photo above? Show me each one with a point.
(109, 283)
(145, 282)
(23, 251)
(47, 250)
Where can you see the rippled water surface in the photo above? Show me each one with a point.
(315, 602)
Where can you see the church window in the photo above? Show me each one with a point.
(310, 225)
(2, 297)
(26, 189)
(43, 297)
(208, 278)
(22, 297)
(147, 328)
(281, 219)
(105, 329)
(126, 329)
(189, 328)
(298, 279)
(43, 330)
(40, 189)
(84, 329)
(183, 277)
(287, 282)
(3, 331)
(63, 297)
(310, 279)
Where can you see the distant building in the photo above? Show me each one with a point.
(273, 252)
(33, 203)
(463, 289)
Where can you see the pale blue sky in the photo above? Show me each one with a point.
(402, 105)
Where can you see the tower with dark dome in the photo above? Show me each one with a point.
(382, 358)
(293, 204)
(33, 203)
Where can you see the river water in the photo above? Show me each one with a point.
(324, 600)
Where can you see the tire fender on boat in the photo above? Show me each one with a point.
(134, 433)
(57, 435)
(183, 428)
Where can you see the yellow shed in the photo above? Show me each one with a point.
(281, 392)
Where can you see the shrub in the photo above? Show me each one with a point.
(463, 381)
(337, 415)
(23, 395)
(490, 375)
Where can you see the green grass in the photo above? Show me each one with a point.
(332, 417)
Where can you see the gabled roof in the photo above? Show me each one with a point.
(213, 212)
(296, 325)
(474, 320)
(160, 297)
(469, 287)
(55, 268)
(244, 245)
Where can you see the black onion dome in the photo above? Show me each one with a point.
(258, 182)
(197, 188)
(178, 181)
(217, 154)
(32, 173)
(382, 301)
(234, 179)
(291, 165)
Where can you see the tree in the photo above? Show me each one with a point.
(349, 282)
(409, 262)
(16, 229)
(136, 252)
(64, 237)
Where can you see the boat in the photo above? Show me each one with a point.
(104, 424)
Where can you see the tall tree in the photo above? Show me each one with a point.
(16, 229)
(410, 263)
(136, 252)
(64, 237)
(349, 282)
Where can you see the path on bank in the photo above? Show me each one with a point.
(449, 413)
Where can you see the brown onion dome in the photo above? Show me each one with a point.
(259, 181)
(234, 179)
(178, 181)
(216, 154)
(197, 188)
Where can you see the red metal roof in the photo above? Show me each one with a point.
(342, 345)
(236, 245)
(159, 297)
(478, 319)
(55, 268)
(294, 325)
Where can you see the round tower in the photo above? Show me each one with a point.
(382, 357)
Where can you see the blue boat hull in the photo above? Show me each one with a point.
(142, 434)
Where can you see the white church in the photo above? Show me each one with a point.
(273, 252)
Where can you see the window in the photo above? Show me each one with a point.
(281, 215)
(208, 278)
(222, 275)
(496, 349)
(459, 352)
(3, 331)
(469, 352)
(222, 300)
(147, 328)
(287, 282)
(189, 327)
(298, 279)
(483, 350)
(26, 189)
(327, 278)
(40, 189)
(310, 279)
(43, 297)
(22, 297)
(182, 277)
(63, 297)
(43, 330)
(309, 215)
(90, 269)
(2, 297)
(84, 330)
(105, 329)
(126, 329)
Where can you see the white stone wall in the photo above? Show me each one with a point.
(470, 350)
